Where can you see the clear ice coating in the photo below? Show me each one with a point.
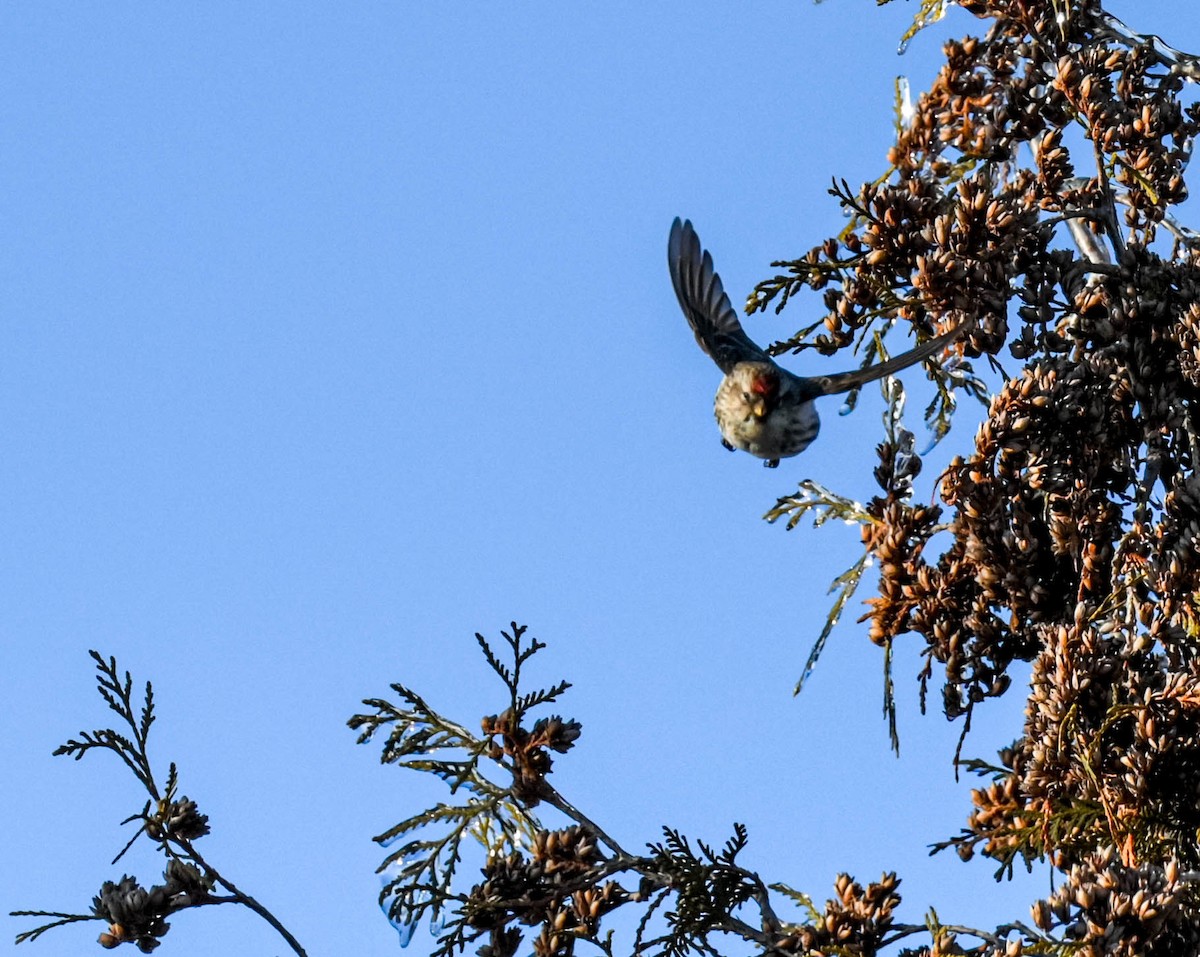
(904, 102)
(931, 12)
(399, 917)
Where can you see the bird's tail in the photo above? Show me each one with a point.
(845, 381)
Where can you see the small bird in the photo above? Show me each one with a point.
(761, 408)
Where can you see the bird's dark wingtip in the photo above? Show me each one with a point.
(681, 238)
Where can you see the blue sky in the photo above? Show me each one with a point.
(333, 334)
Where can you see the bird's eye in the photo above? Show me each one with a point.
(746, 396)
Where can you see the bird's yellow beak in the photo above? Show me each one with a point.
(759, 408)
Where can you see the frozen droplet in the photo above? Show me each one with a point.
(934, 439)
(401, 918)
(405, 931)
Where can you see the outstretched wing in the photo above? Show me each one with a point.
(845, 381)
(704, 302)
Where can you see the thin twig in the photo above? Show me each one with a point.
(242, 897)
(552, 797)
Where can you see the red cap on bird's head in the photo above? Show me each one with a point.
(764, 392)
(764, 383)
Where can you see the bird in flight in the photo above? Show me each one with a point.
(761, 408)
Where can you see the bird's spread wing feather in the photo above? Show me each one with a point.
(845, 381)
(705, 303)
